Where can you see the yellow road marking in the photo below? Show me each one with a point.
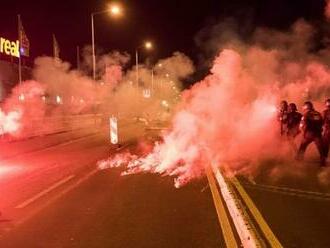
(268, 233)
(226, 228)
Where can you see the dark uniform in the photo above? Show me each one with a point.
(282, 117)
(326, 128)
(311, 125)
(293, 121)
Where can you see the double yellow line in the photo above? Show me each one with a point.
(264, 227)
(226, 228)
(227, 231)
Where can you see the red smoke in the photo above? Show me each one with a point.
(327, 10)
(23, 107)
(222, 118)
(229, 118)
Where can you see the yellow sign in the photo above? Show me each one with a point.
(8, 47)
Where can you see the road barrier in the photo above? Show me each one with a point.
(113, 130)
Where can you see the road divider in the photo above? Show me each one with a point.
(226, 228)
(245, 229)
(262, 224)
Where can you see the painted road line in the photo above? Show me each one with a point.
(293, 190)
(69, 142)
(56, 197)
(264, 227)
(297, 193)
(44, 192)
(227, 231)
(245, 231)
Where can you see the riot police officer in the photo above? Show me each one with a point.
(311, 126)
(282, 117)
(293, 121)
(326, 127)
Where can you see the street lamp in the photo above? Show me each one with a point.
(148, 46)
(114, 10)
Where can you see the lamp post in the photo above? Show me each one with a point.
(114, 10)
(148, 46)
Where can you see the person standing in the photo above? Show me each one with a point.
(326, 128)
(311, 127)
(282, 117)
(294, 118)
(293, 121)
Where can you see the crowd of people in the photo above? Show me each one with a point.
(311, 124)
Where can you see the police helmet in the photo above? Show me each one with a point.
(284, 105)
(292, 107)
(308, 105)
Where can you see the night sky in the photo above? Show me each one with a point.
(172, 25)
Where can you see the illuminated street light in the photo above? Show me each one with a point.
(148, 46)
(115, 10)
(58, 100)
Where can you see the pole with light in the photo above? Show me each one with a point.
(114, 10)
(148, 46)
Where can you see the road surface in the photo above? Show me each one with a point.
(132, 211)
(53, 195)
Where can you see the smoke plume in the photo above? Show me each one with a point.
(229, 118)
(59, 91)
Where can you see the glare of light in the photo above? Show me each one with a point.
(148, 45)
(167, 75)
(160, 65)
(273, 109)
(165, 104)
(6, 170)
(43, 98)
(147, 93)
(58, 100)
(10, 122)
(21, 97)
(115, 9)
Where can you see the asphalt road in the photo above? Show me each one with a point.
(53, 196)
(296, 221)
(84, 207)
(132, 211)
(294, 202)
